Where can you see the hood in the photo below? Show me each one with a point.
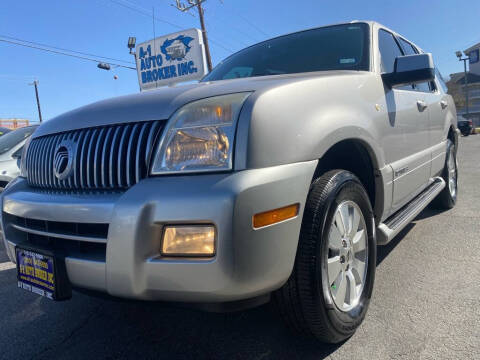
(161, 103)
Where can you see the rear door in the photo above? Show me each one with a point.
(440, 107)
(406, 142)
(436, 99)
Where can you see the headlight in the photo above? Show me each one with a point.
(199, 136)
(23, 162)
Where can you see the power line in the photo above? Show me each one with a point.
(62, 53)
(237, 13)
(63, 49)
(252, 24)
(145, 12)
(17, 77)
(198, 4)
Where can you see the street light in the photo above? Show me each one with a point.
(464, 59)
(104, 66)
(131, 43)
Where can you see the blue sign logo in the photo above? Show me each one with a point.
(176, 49)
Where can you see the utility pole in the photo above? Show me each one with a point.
(198, 3)
(35, 83)
(465, 59)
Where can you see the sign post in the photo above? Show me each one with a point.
(170, 59)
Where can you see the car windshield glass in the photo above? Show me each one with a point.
(8, 141)
(338, 47)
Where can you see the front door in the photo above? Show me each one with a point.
(408, 145)
(406, 139)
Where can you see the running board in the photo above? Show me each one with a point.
(387, 230)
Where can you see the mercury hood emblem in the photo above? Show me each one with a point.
(63, 159)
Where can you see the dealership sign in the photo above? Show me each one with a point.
(171, 59)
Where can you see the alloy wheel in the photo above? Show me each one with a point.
(347, 255)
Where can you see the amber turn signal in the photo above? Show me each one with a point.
(275, 216)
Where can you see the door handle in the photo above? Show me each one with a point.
(422, 105)
(443, 104)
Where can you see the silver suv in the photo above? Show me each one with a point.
(275, 177)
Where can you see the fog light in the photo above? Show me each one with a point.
(189, 240)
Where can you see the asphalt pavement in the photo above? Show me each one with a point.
(426, 305)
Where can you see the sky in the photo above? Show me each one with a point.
(102, 27)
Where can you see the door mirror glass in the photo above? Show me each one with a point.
(411, 69)
(18, 154)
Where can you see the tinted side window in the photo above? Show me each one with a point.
(425, 87)
(441, 81)
(389, 50)
(407, 47)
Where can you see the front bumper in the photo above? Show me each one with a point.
(248, 262)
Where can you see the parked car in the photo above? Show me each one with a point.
(4, 130)
(465, 126)
(232, 192)
(11, 147)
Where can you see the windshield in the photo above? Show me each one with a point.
(338, 47)
(8, 141)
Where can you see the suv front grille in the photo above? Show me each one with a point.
(103, 158)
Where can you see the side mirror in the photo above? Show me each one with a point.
(18, 156)
(411, 69)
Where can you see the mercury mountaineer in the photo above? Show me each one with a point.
(273, 178)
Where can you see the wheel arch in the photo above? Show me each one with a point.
(357, 156)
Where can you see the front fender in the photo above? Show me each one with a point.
(302, 121)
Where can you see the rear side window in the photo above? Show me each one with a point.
(441, 81)
(407, 47)
(389, 50)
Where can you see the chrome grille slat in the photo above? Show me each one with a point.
(121, 155)
(55, 143)
(46, 143)
(96, 165)
(150, 142)
(71, 179)
(90, 169)
(113, 158)
(106, 158)
(46, 163)
(131, 143)
(37, 155)
(83, 160)
(81, 140)
(35, 165)
(61, 138)
(139, 166)
(31, 170)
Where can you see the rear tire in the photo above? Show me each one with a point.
(448, 197)
(326, 298)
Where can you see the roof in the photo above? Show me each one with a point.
(472, 48)
(459, 78)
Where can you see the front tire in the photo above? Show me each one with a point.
(328, 292)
